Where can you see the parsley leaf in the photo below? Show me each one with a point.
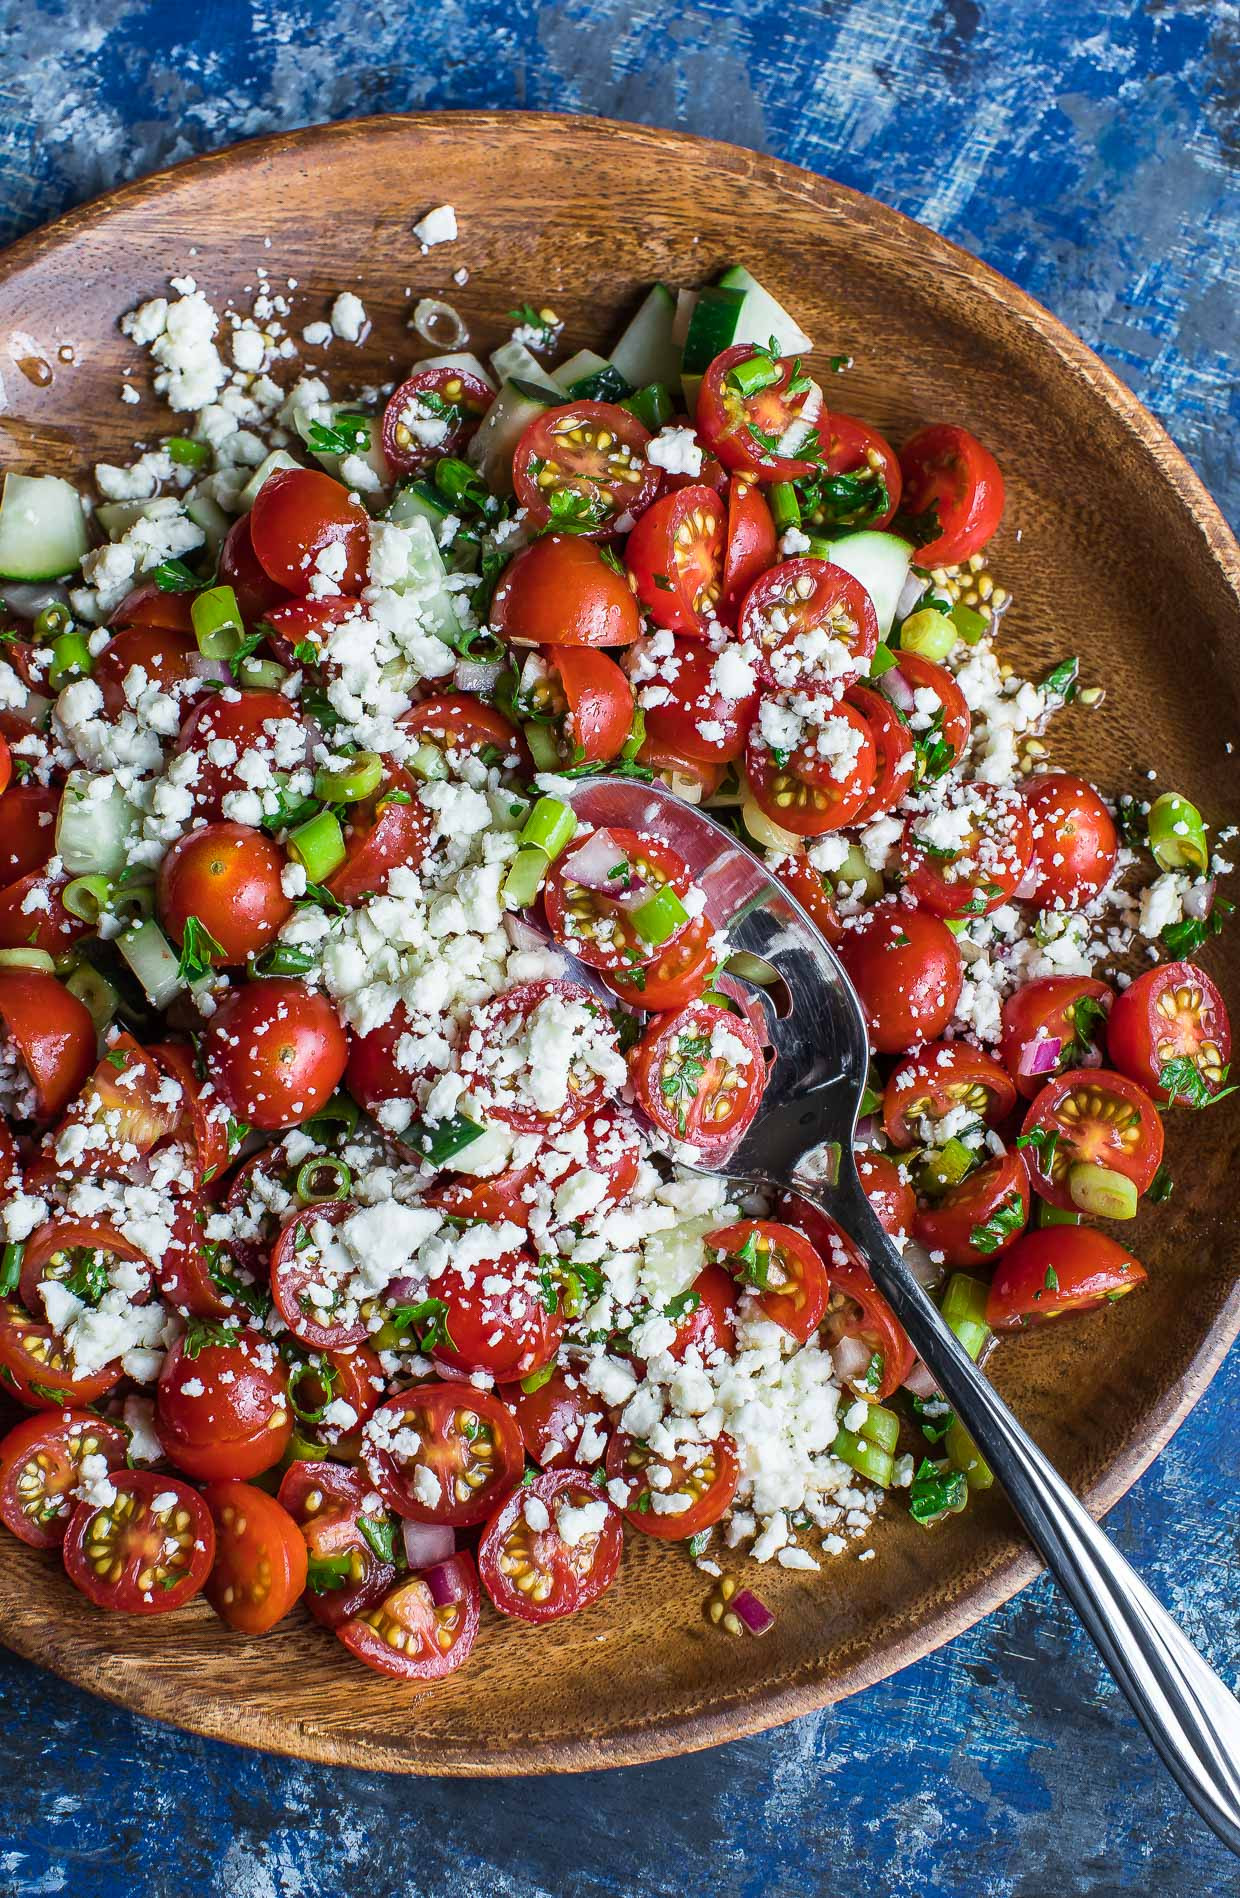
(246, 650)
(326, 1572)
(1183, 939)
(345, 436)
(198, 951)
(87, 1277)
(1007, 1219)
(380, 1533)
(1061, 681)
(1044, 1141)
(427, 1323)
(1088, 1018)
(1187, 1085)
(202, 1332)
(173, 576)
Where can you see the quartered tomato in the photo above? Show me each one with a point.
(250, 721)
(424, 1628)
(508, 1334)
(145, 1553)
(813, 892)
(444, 1453)
(1074, 841)
(970, 854)
(582, 467)
(307, 1287)
(973, 1222)
(860, 1326)
(780, 1267)
(32, 915)
(1070, 1010)
(461, 725)
(1170, 1033)
(345, 1572)
(126, 1108)
(1091, 1117)
(80, 1255)
(260, 1557)
(699, 1492)
(889, 1193)
(822, 777)
(498, 1060)
(937, 1081)
(240, 569)
(895, 756)
(953, 494)
(27, 830)
(276, 1052)
(674, 559)
(583, 700)
(226, 877)
(905, 966)
(561, 592)
(860, 482)
(552, 1417)
(811, 624)
(594, 894)
(553, 1547)
(752, 545)
(434, 413)
(675, 978)
(166, 659)
(931, 704)
(36, 1369)
(700, 1075)
(41, 1462)
(305, 527)
(52, 1034)
(760, 414)
(221, 1408)
(707, 1324)
(389, 830)
(695, 719)
(1061, 1270)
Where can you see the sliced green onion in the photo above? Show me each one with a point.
(218, 626)
(440, 1143)
(284, 958)
(929, 633)
(652, 405)
(882, 659)
(318, 846)
(153, 960)
(49, 624)
(543, 748)
(536, 1379)
(133, 900)
(966, 1457)
(340, 1113)
(300, 1450)
(637, 734)
(785, 507)
(187, 453)
(428, 762)
(27, 959)
(323, 1372)
(660, 916)
(70, 660)
(753, 374)
(765, 831)
(882, 1427)
(868, 1459)
(551, 826)
(321, 1180)
(525, 876)
(1178, 834)
(1101, 1191)
(265, 675)
(964, 1311)
(968, 623)
(86, 897)
(11, 1267)
(949, 1164)
(819, 547)
(348, 784)
(95, 992)
(1048, 1215)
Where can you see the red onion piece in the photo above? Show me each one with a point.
(921, 1265)
(427, 1543)
(755, 1614)
(894, 686)
(1198, 899)
(592, 862)
(1040, 1056)
(851, 1359)
(1024, 890)
(217, 669)
(921, 1381)
(477, 675)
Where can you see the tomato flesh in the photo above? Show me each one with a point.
(1061, 1270)
(811, 769)
(699, 1490)
(424, 1628)
(811, 624)
(582, 466)
(780, 1267)
(1095, 1117)
(674, 559)
(467, 1456)
(542, 1556)
(260, 1558)
(41, 1462)
(145, 1553)
(561, 592)
(953, 493)
(905, 966)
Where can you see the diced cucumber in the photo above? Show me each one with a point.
(590, 378)
(735, 310)
(491, 448)
(205, 512)
(271, 464)
(513, 362)
(117, 517)
(42, 528)
(763, 316)
(881, 562)
(648, 351)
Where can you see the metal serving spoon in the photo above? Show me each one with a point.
(818, 1032)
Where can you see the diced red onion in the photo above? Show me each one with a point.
(217, 669)
(1024, 890)
(755, 1614)
(910, 593)
(920, 1264)
(436, 1576)
(894, 686)
(1198, 899)
(523, 935)
(851, 1358)
(1040, 1056)
(592, 862)
(27, 599)
(797, 434)
(866, 1130)
(921, 1381)
(477, 675)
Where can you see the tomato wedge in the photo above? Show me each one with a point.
(973, 1222)
(674, 559)
(1070, 1010)
(673, 979)
(1061, 1270)
(1169, 1032)
(594, 893)
(953, 494)
(561, 592)
(348, 1569)
(443, 1453)
(969, 854)
(147, 1552)
(895, 756)
(53, 1035)
(387, 831)
(500, 1058)
(752, 545)
(810, 763)
(689, 716)
(433, 413)
(552, 1548)
(906, 968)
(1091, 1117)
(310, 1279)
(941, 1080)
(860, 1326)
(860, 482)
(760, 414)
(811, 624)
(35, 1369)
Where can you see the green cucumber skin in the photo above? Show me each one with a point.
(648, 351)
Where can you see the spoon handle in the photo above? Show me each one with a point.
(1180, 1701)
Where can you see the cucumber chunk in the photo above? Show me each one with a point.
(42, 528)
(881, 562)
(648, 350)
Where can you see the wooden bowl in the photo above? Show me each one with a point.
(1114, 551)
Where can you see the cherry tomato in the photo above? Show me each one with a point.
(594, 923)
(388, 831)
(815, 895)
(325, 1379)
(498, 1060)
(424, 1628)
(227, 878)
(700, 1075)
(1069, 1009)
(345, 1574)
(931, 704)
(858, 1316)
(35, 1368)
(6, 764)
(241, 570)
(1172, 1014)
(509, 1334)
(761, 414)
(434, 413)
(552, 1418)
(304, 526)
(147, 1552)
(811, 623)
(694, 720)
(462, 726)
(553, 1547)
(889, 1193)
(905, 966)
(607, 1144)
(561, 592)
(589, 700)
(708, 1323)
(276, 1052)
(780, 1267)
(1074, 841)
(32, 915)
(221, 1409)
(27, 830)
(125, 1110)
(443, 1453)
(298, 631)
(149, 604)
(674, 559)
(752, 545)
(937, 1081)
(675, 978)
(1091, 1116)
(53, 1036)
(79, 1254)
(894, 753)
(953, 490)
(583, 466)
(859, 484)
(202, 1278)
(40, 1466)
(259, 722)
(969, 856)
(973, 1222)
(691, 779)
(1061, 1270)
(260, 1557)
(202, 1125)
(165, 657)
(699, 1492)
(822, 777)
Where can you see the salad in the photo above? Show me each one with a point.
(357, 1246)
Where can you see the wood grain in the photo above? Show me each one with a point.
(1114, 551)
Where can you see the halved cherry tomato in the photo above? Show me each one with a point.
(323, 1379)
(298, 630)
(1074, 841)
(552, 1419)
(443, 1453)
(694, 720)
(607, 1144)
(80, 1254)
(1096, 1117)
(940, 731)
(32, 915)
(41, 1465)
(699, 1492)
(345, 1573)
(894, 753)
(509, 1334)
(761, 414)
(260, 1557)
(305, 527)
(889, 1193)
(1172, 1021)
(227, 878)
(245, 722)
(813, 893)
(675, 978)
(276, 1052)
(953, 493)
(434, 413)
(165, 657)
(860, 481)
(221, 1408)
(35, 1368)
(373, 1074)
(204, 1279)
(147, 1552)
(388, 831)
(461, 725)
(307, 1287)
(509, 1026)
(27, 830)
(973, 1222)
(1069, 1009)
(905, 966)
(588, 700)
(148, 604)
(752, 545)
(241, 569)
(822, 777)
(674, 559)
(811, 624)
(857, 1312)
(595, 923)
(780, 1267)
(707, 1325)
(582, 466)
(126, 1108)
(424, 1628)
(561, 592)
(938, 1080)
(538, 1559)
(203, 1124)
(52, 1033)
(985, 850)
(1061, 1270)
(700, 1075)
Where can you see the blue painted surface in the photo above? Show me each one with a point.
(1089, 151)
